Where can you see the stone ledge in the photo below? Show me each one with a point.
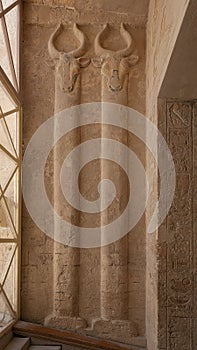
(123, 331)
(65, 322)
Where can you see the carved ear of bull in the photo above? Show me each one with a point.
(97, 62)
(127, 62)
(83, 61)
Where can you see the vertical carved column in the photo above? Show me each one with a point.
(66, 262)
(114, 322)
(114, 257)
(180, 228)
(176, 279)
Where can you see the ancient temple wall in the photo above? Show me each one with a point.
(40, 20)
(164, 23)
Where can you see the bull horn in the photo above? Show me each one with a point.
(100, 51)
(81, 37)
(129, 41)
(55, 54)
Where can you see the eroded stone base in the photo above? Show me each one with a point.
(65, 323)
(122, 331)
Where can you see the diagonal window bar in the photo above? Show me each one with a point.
(8, 240)
(7, 302)
(8, 131)
(16, 160)
(7, 42)
(12, 111)
(10, 264)
(8, 209)
(9, 8)
(12, 89)
(9, 87)
(8, 183)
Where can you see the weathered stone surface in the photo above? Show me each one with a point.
(164, 23)
(175, 251)
(109, 285)
(65, 322)
(118, 330)
(70, 283)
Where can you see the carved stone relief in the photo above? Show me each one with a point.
(65, 313)
(114, 295)
(113, 322)
(67, 68)
(85, 293)
(177, 294)
(115, 65)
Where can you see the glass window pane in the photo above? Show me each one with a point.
(10, 166)
(5, 314)
(4, 57)
(7, 135)
(7, 3)
(10, 282)
(12, 18)
(6, 103)
(7, 227)
(7, 167)
(12, 121)
(7, 252)
(11, 207)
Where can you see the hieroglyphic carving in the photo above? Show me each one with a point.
(180, 294)
(178, 256)
(180, 115)
(179, 333)
(179, 276)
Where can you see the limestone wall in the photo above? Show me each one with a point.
(40, 19)
(164, 22)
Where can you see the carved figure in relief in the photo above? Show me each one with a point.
(114, 290)
(115, 64)
(181, 291)
(180, 116)
(66, 260)
(68, 64)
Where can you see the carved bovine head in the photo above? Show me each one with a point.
(115, 64)
(68, 64)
